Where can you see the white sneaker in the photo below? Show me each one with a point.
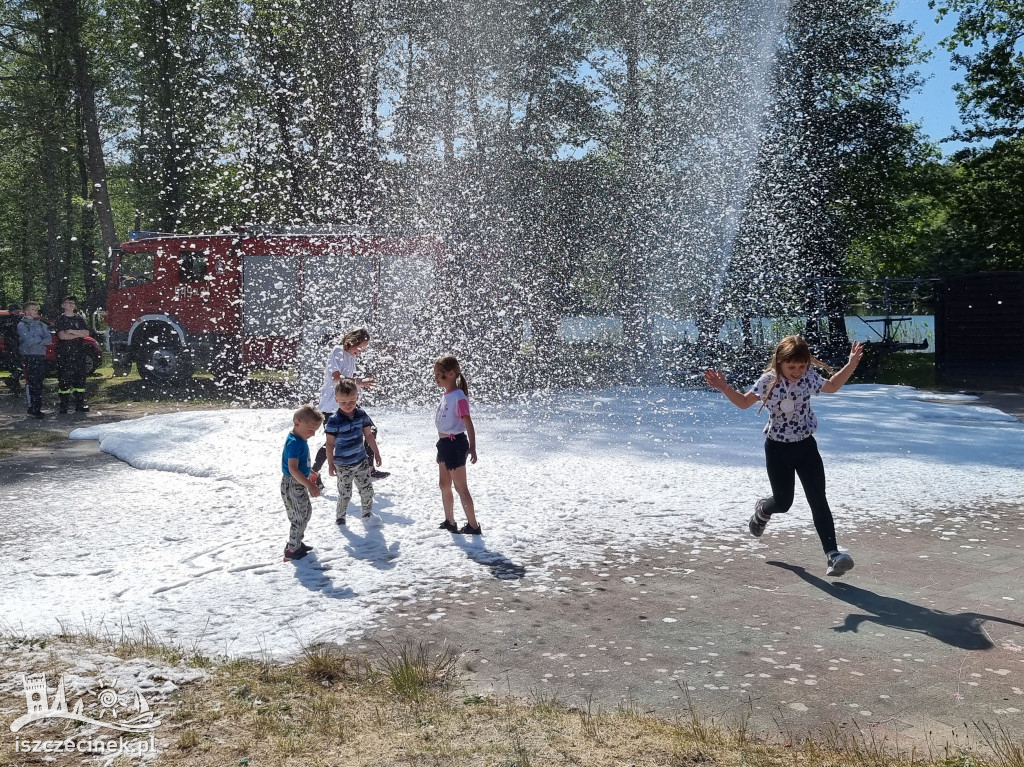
(371, 520)
(839, 563)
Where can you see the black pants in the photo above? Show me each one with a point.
(321, 454)
(785, 462)
(70, 370)
(35, 369)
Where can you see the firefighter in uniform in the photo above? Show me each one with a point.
(71, 330)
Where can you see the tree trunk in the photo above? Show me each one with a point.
(172, 158)
(95, 284)
(28, 277)
(349, 113)
(85, 91)
(56, 282)
(633, 287)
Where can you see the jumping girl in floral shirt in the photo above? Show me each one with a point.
(790, 449)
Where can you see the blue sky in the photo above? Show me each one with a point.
(935, 106)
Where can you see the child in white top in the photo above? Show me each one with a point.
(456, 441)
(341, 363)
(790, 449)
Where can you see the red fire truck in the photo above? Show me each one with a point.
(237, 301)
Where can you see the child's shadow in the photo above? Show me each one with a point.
(371, 547)
(379, 504)
(311, 573)
(501, 567)
(963, 630)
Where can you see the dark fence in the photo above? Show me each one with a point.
(979, 330)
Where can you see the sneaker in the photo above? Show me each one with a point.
(468, 529)
(367, 514)
(378, 474)
(304, 549)
(839, 563)
(292, 554)
(451, 527)
(35, 412)
(340, 520)
(758, 520)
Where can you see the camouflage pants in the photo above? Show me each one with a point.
(296, 503)
(360, 474)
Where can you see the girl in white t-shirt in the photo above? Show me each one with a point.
(341, 363)
(786, 388)
(456, 441)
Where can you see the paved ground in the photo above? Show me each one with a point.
(924, 638)
(925, 634)
(920, 643)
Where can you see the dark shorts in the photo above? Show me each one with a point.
(452, 451)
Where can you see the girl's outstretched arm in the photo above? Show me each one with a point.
(835, 383)
(716, 380)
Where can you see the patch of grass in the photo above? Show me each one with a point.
(256, 711)
(187, 740)
(1008, 748)
(199, 390)
(412, 672)
(13, 441)
(915, 369)
(128, 641)
(324, 662)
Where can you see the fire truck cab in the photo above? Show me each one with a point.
(237, 301)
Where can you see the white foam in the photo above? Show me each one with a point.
(192, 544)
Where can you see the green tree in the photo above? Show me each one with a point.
(835, 150)
(988, 42)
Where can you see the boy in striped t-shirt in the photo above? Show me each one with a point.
(346, 455)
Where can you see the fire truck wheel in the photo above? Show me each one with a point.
(163, 364)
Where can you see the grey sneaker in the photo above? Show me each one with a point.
(839, 563)
(758, 520)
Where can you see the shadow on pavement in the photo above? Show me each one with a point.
(963, 630)
(501, 567)
(310, 572)
(372, 547)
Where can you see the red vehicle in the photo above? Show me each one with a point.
(10, 359)
(237, 301)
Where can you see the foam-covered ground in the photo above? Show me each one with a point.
(190, 541)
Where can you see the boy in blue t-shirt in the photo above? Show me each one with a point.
(346, 454)
(296, 487)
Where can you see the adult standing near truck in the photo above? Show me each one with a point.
(33, 338)
(71, 332)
